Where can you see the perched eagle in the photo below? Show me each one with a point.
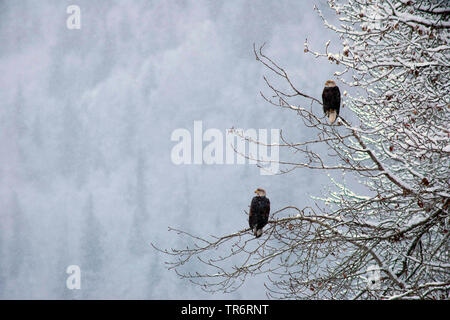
(331, 98)
(259, 212)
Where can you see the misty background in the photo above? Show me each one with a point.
(86, 117)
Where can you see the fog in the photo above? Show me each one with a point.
(86, 117)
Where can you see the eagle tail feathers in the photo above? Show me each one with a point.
(257, 232)
(332, 115)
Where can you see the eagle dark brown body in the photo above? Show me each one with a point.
(331, 99)
(259, 212)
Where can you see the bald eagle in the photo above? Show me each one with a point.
(331, 98)
(259, 212)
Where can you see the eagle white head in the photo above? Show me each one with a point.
(330, 84)
(260, 192)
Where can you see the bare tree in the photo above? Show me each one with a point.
(395, 143)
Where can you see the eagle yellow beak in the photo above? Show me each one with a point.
(256, 191)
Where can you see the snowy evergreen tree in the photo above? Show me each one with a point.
(73, 153)
(2, 268)
(19, 252)
(37, 133)
(92, 255)
(137, 243)
(63, 261)
(18, 113)
(19, 249)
